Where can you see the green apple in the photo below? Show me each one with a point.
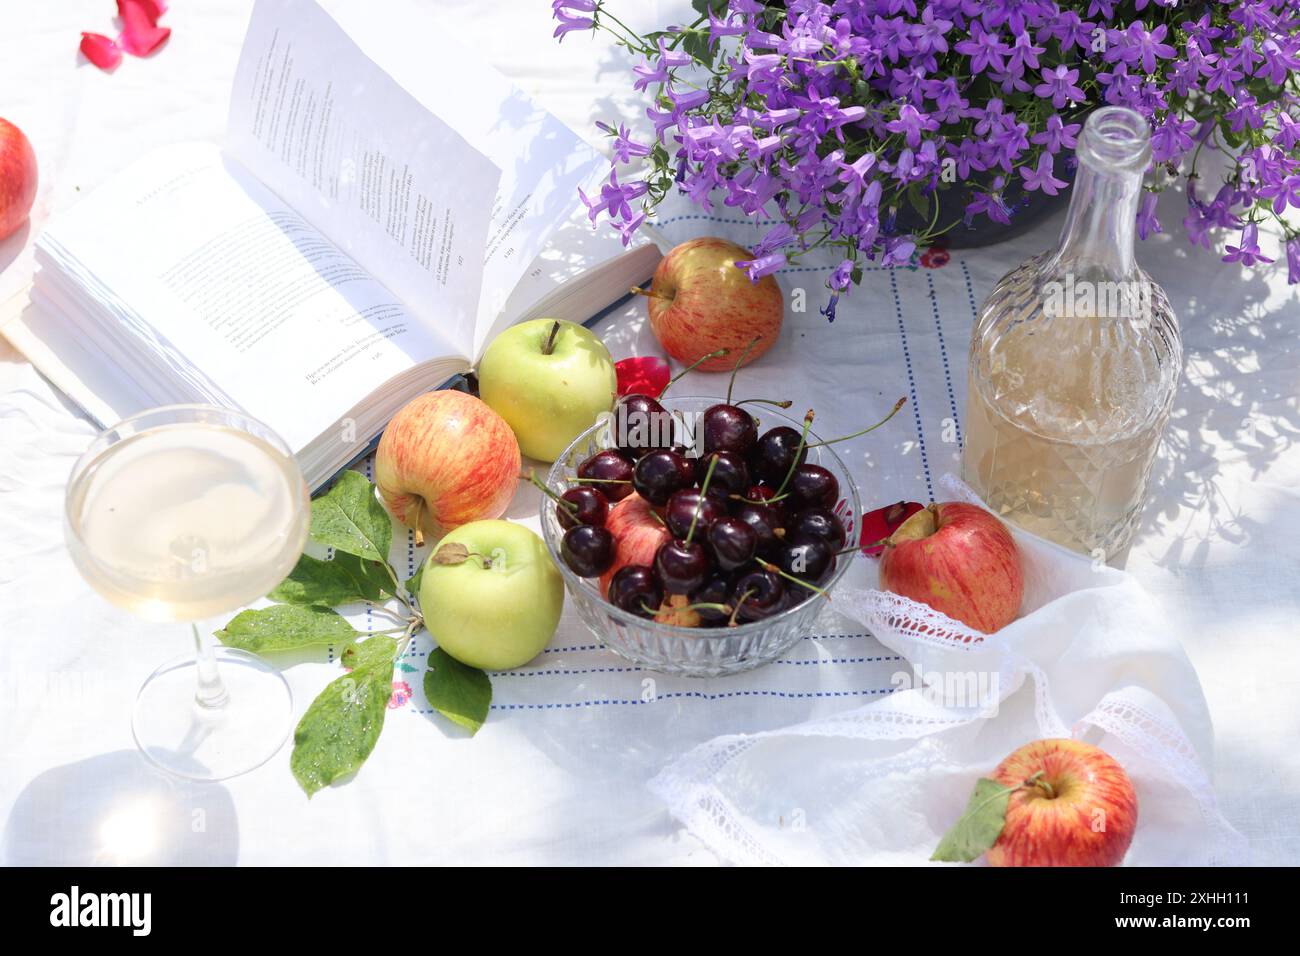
(498, 607)
(550, 380)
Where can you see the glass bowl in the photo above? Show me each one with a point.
(690, 651)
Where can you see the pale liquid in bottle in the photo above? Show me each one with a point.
(1067, 453)
(183, 522)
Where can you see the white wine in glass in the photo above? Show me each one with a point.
(182, 513)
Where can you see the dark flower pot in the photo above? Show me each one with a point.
(1027, 209)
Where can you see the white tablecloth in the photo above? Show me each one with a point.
(555, 776)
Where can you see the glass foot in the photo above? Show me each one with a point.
(181, 736)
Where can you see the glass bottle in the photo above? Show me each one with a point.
(1074, 362)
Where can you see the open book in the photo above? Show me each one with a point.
(376, 216)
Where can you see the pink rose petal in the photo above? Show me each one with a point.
(647, 375)
(141, 34)
(101, 50)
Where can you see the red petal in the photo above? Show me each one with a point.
(141, 34)
(647, 375)
(881, 523)
(100, 50)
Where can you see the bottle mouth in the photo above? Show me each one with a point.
(1117, 138)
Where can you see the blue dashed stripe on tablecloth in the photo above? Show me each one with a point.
(911, 384)
(686, 695)
(943, 355)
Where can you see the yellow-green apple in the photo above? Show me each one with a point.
(699, 302)
(638, 534)
(446, 459)
(498, 605)
(17, 178)
(550, 380)
(1073, 805)
(960, 560)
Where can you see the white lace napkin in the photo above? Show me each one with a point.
(1089, 658)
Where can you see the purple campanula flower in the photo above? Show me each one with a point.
(1059, 84)
(570, 14)
(1147, 223)
(763, 265)
(1247, 253)
(1293, 260)
(1040, 177)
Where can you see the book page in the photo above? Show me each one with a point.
(542, 161)
(220, 277)
(394, 185)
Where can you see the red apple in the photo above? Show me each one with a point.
(1073, 806)
(960, 560)
(638, 534)
(17, 178)
(444, 460)
(700, 302)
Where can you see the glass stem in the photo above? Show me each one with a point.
(210, 691)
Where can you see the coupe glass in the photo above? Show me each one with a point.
(184, 513)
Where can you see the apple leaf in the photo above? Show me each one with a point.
(453, 552)
(378, 648)
(459, 692)
(340, 728)
(345, 580)
(979, 827)
(350, 518)
(284, 627)
(413, 582)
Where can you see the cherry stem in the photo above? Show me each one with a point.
(892, 412)
(550, 493)
(731, 621)
(766, 401)
(649, 293)
(703, 606)
(739, 362)
(757, 501)
(704, 488)
(769, 566)
(549, 345)
(699, 361)
(794, 463)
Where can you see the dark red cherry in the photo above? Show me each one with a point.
(712, 591)
(756, 595)
(659, 473)
(689, 505)
(592, 507)
(729, 428)
(806, 560)
(813, 485)
(588, 550)
(634, 589)
(817, 522)
(641, 425)
(765, 520)
(681, 567)
(733, 542)
(730, 473)
(775, 452)
(609, 467)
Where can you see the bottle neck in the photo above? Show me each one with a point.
(1097, 241)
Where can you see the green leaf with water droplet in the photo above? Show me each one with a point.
(342, 725)
(286, 627)
(350, 518)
